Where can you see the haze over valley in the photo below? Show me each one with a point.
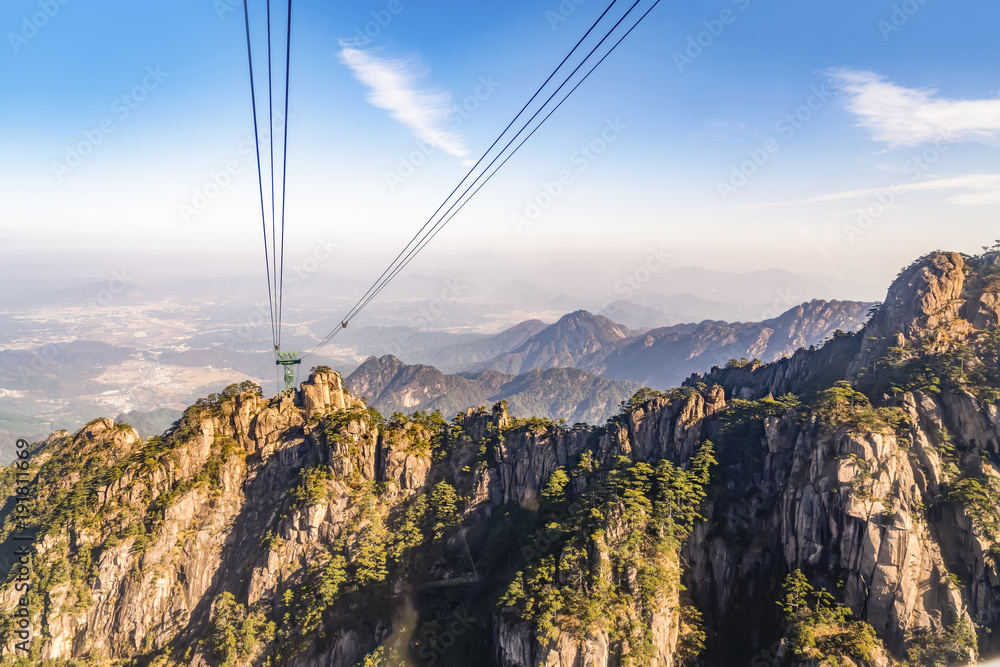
(83, 349)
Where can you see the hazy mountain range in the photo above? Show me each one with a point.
(82, 348)
(67, 384)
(659, 358)
(582, 366)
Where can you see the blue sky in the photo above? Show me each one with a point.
(903, 123)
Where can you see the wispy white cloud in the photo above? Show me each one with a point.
(985, 190)
(908, 116)
(394, 85)
(987, 185)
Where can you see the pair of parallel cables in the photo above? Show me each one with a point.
(479, 175)
(274, 250)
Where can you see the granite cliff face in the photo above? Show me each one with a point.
(306, 530)
(897, 503)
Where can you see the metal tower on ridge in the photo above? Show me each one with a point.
(288, 359)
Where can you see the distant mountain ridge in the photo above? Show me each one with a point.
(577, 340)
(463, 355)
(391, 386)
(76, 374)
(581, 367)
(661, 358)
(148, 424)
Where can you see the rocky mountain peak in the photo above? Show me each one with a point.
(391, 386)
(935, 302)
(373, 376)
(589, 321)
(388, 361)
(324, 391)
(104, 441)
(926, 294)
(982, 308)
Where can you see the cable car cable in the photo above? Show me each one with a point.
(270, 141)
(392, 271)
(452, 208)
(284, 169)
(486, 154)
(260, 180)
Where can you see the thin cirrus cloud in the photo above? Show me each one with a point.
(906, 117)
(394, 85)
(986, 187)
(981, 189)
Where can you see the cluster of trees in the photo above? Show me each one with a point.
(743, 363)
(236, 633)
(981, 500)
(821, 630)
(636, 515)
(954, 646)
(376, 548)
(841, 405)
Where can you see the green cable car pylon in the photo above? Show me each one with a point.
(288, 360)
